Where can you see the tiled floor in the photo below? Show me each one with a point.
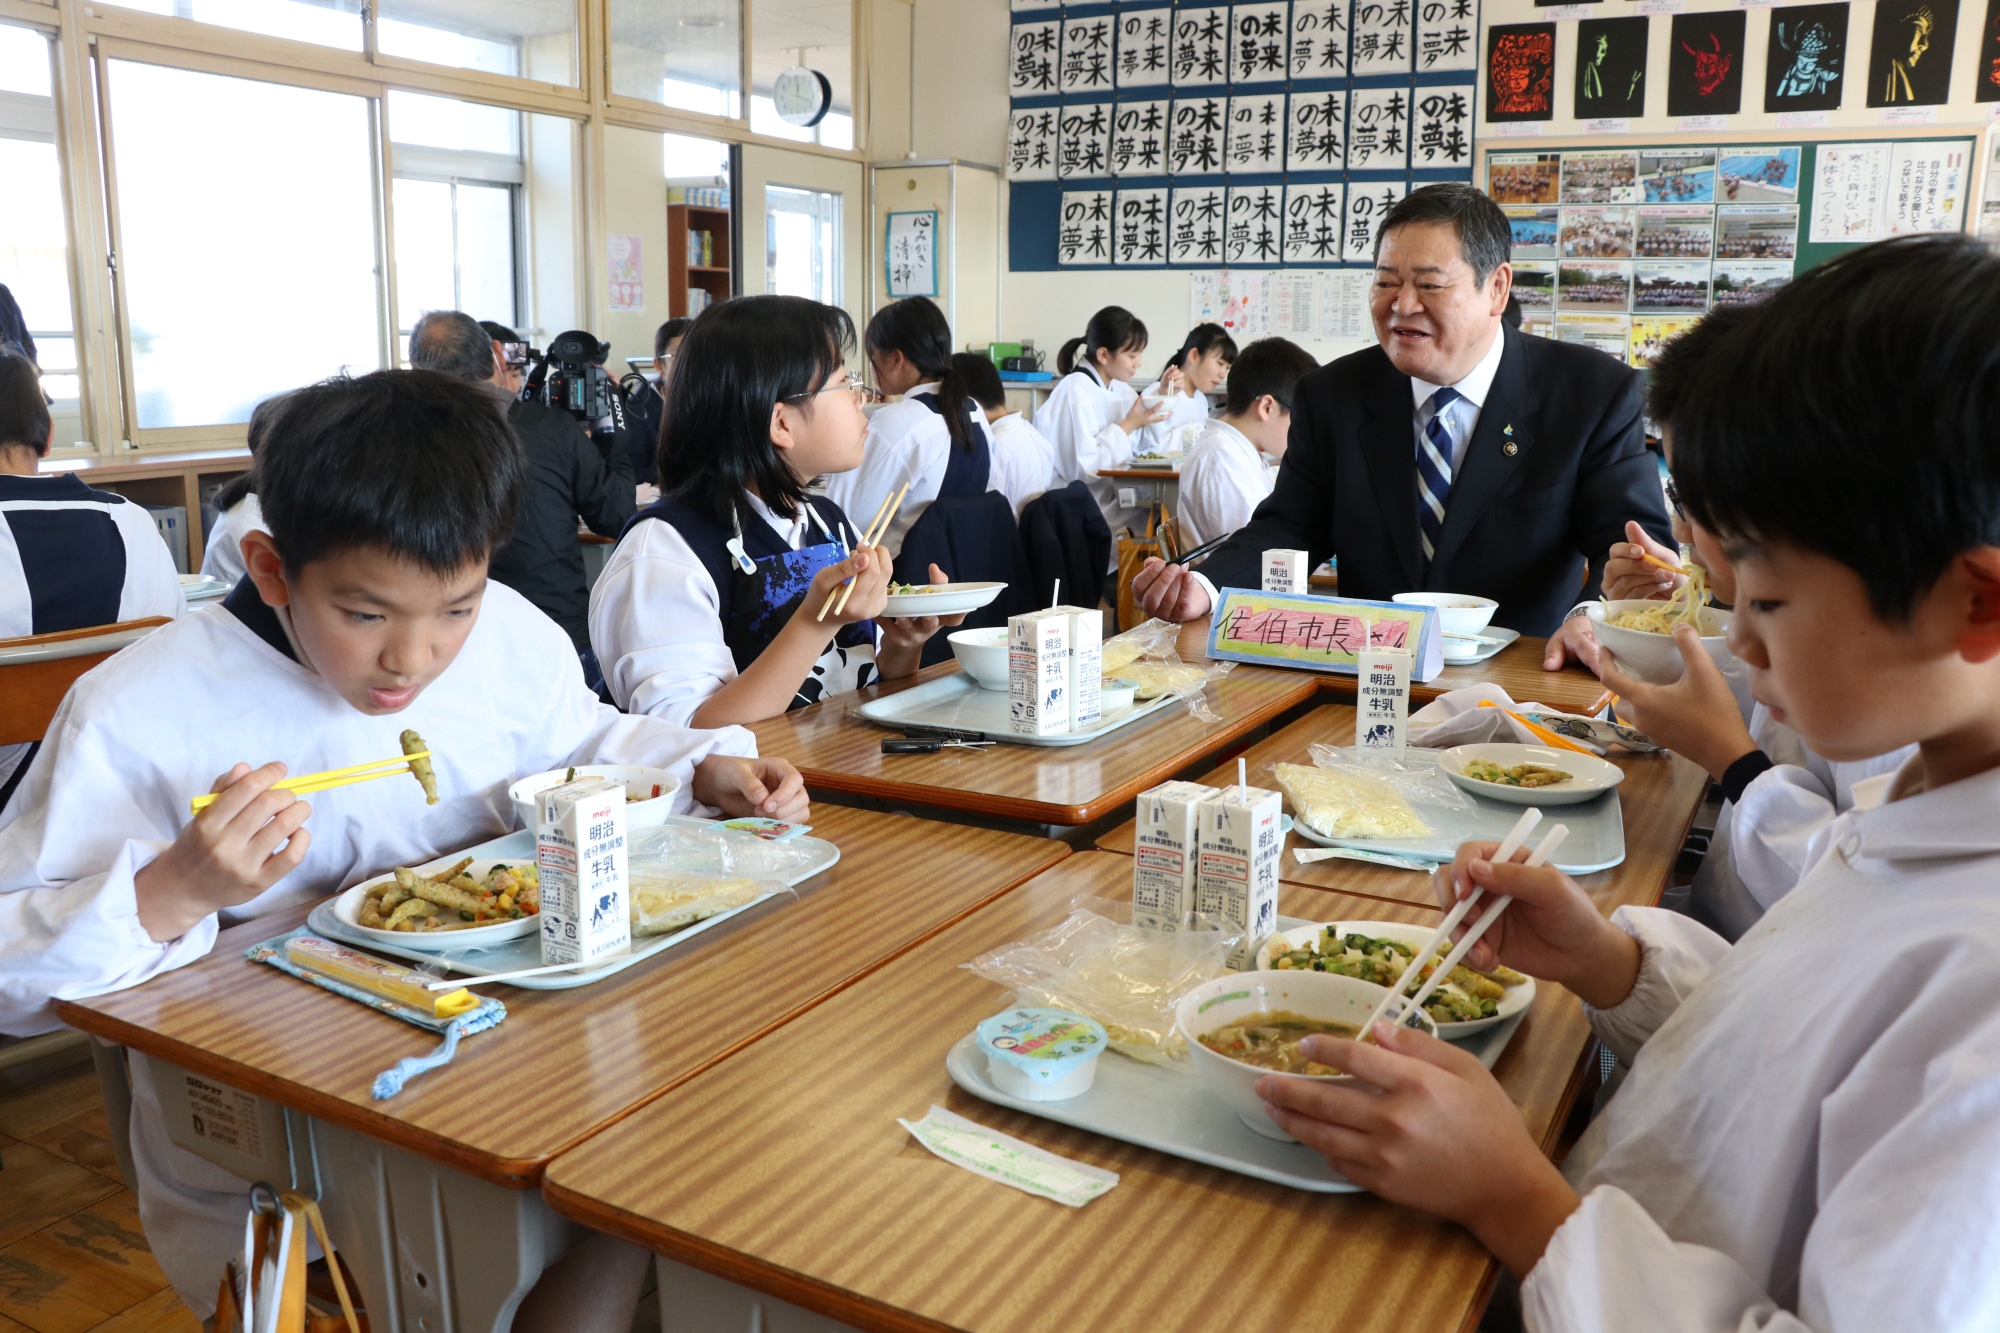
(72, 1259)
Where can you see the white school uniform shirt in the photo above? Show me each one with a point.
(1808, 1134)
(153, 726)
(1184, 410)
(222, 558)
(906, 443)
(656, 619)
(1023, 459)
(1081, 419)
(1222, 481)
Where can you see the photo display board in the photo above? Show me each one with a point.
(1621, 248)
(1200, 136)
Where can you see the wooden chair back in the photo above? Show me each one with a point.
(37, 671)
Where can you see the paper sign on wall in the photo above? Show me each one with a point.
(628, 273)
(911, 254)
(1320, 633)
(1850, 193)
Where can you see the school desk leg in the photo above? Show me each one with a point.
(692, 1301)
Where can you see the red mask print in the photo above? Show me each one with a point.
(1710, 67)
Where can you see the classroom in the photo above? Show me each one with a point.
(792, 666)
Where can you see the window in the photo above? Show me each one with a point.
(458, 169)
(336, 23)
(680, 53)
(530, 39)
(818, 34)
(206, 248)
(34, 244)
(802, 243)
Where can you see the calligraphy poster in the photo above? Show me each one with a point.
(910, 254)
(1909, 60)
(1201, 47)
(1145, 39)
(1087, 46)
(1139, 228)
(1850, 193)
(1318, 130)
(1259, 42)
(1927, 186)
(1384, 36)
(1253, 234)
(1084, 144)
(1447, 35)
(1705, 63)
(1139, 139)
(1195, 139)
(1441, 130)
(1319, 39)
(1520, 72)
(1314, 221)
(1031, 144)
(1198, 215)
(1084, 234)
(1378, 129)
(1368, 202)
(1611, 68)
(1033, 70)
(1805, 62)
(1320, 633)
(1255, 142)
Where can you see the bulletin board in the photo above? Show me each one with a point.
(1259, 135)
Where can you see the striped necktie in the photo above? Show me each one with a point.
(1434, 472)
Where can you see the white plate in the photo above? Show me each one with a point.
(201, 587)
(1461, 652)
(1516, 1000)
(1591, 776)
(347, 909)
(949, 599)
(958, 703)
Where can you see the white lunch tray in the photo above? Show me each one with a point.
(526, 951)
(1479, 652)
(1167, 1109)
(959, 703)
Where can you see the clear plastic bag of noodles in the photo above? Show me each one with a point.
(681, 874)
(1339, 804)
(1148, 655)
(1414, 773)
(1127, 978)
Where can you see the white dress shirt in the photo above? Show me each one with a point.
(1023, 459)
(1223, 480)
(907, 443)
(1807, 1137)
(1081, 419)
(1183, 410)
(222, 556)
(1462, 413)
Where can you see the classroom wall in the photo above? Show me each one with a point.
(635, 204)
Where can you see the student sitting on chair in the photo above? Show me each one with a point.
(1229, 471)
(367, 610)
(70, 557)
(1023, 461)
(1198, 369)
(236, 508)
(710, 610)
(932, 441)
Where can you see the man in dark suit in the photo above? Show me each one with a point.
(1458, 455)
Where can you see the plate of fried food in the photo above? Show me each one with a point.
(1378, 951)
(1529, 774)
(939, 599)
(447, 905)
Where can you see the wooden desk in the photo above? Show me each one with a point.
(783, 1169)
(569, 1062)
(1659, 796)
(1066, 785)
(160, 479)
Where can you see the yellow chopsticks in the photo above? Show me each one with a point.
(1652, 559)
(884, 516)
(1547, 737)
(333, 777)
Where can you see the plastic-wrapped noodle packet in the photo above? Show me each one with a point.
(1337, 804)
(1127, 978)
(1413, 773)
(711, 848)
(664, 901)
(1148, 655)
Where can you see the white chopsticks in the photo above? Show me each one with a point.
(1505, 852)
(455, 983)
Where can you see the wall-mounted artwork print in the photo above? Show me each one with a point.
(1705, 64)
(1526, 178)
(1987, 81)
(1758, 175)
(1611, 68)
(1521, 72)
(1909, 60)
(1805, 65)
(1535, 228)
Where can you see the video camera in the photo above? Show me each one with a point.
(570, 375)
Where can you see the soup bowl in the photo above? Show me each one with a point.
(1324, 996)
(1655, 658)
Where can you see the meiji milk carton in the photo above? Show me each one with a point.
(580, 849)
(1382, 700)
(1086, 666)
(1164, 853)
(1038, 673)
(1286, 571)
(1236, 873)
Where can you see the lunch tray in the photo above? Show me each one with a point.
(957, 703)
(1166, 1108)
(1481, 651)
(526, 951)
(1596, 838)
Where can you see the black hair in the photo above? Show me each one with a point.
(1206, 339)
(1853, 416)
(1269, 365)
(1112, 329)
(981, 378)
(1668, 373)
(245, 482)
(24, 413)
(915, 327)
(1485, 238)
(499, 332)
(417, 463)
(676, 327)
(1511, 316)
(738, 361)
(452, 343)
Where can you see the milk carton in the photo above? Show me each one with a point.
(1286, 571)
(1086, 666)
(1382, 699)
(1164, 853)
(1038, 673)
(580, 849)
(1236, 874)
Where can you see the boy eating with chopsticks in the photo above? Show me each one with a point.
(1808, 1135)
(366, 611)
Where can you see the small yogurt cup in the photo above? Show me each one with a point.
(1042, 1055)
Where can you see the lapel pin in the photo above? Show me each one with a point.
(1510, 448)
(1506, 430)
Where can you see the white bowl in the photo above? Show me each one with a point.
(638, 779)
(943, 599)
(347, 909)
(1321, 995)
(1590, 777)
(1513, 1002)
(1459, 612)
(1653, 657)
(982, 654)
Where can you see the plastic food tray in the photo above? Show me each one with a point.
(1480, 651)
(960, 704)
(526, 951)
(1167, 1109)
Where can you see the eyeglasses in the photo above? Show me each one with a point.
(863, 394)
(1674, 499)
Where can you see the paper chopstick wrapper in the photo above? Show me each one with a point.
(996, 1156)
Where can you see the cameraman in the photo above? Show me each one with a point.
(568, 476)
(647, 403)
(507, 374)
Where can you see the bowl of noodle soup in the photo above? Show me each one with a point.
(1639, 633)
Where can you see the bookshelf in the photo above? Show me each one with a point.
(711, 276)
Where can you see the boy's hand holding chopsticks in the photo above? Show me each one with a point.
(1552, 930)
(1641, 567)
(248, 838)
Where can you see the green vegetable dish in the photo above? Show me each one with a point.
(1465, 997)
(907, 589)
(1520, 775)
